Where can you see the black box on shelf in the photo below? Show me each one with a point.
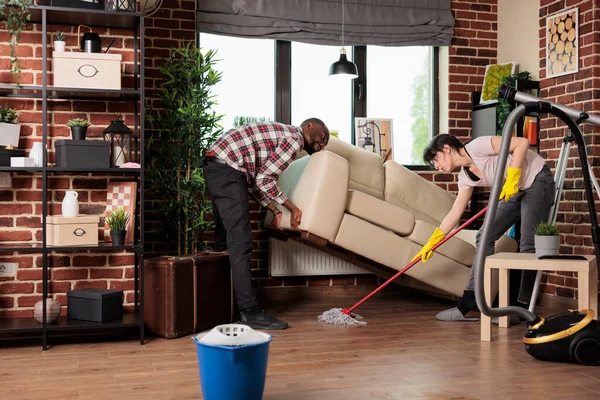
(82, 154)
(6, 154)
(93, 304)
(95, 5)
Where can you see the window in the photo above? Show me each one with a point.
(247, 87)
(315, 93)
(400, 87)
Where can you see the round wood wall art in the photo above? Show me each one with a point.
(562, 47)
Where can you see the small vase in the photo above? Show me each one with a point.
(546, 245)
(59, 46)
(37, 153)
(52, 311)
(70, 204)
(78, 132)
(118, 237)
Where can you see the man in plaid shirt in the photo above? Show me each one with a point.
(246, 161)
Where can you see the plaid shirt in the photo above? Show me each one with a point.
(262, 151)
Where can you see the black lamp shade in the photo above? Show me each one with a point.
(344, 67)
(119, 136)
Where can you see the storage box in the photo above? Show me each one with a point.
(187, 294)
(93, 304)
(72, 231)
(82, 153)
(87, 70)
(22, 162)
(7, 154)
(9, 134)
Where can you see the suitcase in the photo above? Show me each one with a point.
(188, 294)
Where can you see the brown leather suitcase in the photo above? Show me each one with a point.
(187, 294)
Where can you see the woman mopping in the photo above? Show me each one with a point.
(528, 195)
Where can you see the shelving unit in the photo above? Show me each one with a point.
(134, 22)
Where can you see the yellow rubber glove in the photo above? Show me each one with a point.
(511, 186)
(426, 251)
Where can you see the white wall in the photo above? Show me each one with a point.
(518, 34)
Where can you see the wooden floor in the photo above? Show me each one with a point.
(403, 353)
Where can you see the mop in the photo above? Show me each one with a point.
(345, 316)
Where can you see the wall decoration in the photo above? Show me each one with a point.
(493, 79)
(562, 43)
(121, 195)
(374, 135)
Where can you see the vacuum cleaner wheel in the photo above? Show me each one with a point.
(587, 351)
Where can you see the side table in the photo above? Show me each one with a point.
(587, 281)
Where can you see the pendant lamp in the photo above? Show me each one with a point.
(343, 68)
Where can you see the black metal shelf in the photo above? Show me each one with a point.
(21, 247)
(26, 247)
(89, 17)
(108, 171)
(62, 93)
(13, 325)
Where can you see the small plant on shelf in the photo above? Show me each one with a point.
(117, 223)
(546, 240)
(546, 229)
(9, 130)
(17, 15)
(59, 42)
(78, 128)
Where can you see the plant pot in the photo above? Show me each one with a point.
(118, 237)
(52, 311)
(59, 46)
(9, 134)
(78, 132)
(546, 245)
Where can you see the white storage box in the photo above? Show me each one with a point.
(87, 70)
(22, 162)
(72, 231)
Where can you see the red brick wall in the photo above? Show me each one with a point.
(579, 90)
(20, 206)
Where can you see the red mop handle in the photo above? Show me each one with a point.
(347, 311)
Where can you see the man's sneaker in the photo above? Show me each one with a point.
(262, 320)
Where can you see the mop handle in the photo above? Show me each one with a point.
(403, 270)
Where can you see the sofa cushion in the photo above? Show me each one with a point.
(424, 199)
(379, 212)
(366, 169)
(455, 248)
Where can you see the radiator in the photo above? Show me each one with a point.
(293, 258)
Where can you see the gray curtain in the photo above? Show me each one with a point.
(367, 22)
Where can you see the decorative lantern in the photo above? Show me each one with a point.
(119, 137)
(120, 5)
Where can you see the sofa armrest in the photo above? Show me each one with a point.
(318, 185)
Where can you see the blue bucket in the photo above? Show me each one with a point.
(230, 369)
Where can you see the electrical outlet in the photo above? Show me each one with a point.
(8, 269)
(5, 180)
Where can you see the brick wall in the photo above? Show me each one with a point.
(579, 90)
(20, 206)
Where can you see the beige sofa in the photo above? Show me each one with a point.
(381, 211)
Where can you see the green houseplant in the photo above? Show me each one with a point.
(78, 128)
(184, 126)
(547, 239)
(117, 223)
(59, 41)
(9, 129)
(504, 107)
(17, 15)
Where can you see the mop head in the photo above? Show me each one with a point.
(335, 316)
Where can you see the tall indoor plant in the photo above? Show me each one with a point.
(184, 126)
(17, 15)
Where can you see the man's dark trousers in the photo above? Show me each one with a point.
(231, 211)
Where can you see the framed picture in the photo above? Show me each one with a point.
(374, 135)
(562, 43)
(121, 195)
(492, 80)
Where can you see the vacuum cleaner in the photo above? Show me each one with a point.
(572, 336)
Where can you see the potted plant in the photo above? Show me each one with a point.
(9, 129)
(59, 42)
(117, 223)
(17, 15)
(78, 128)
(547, 240)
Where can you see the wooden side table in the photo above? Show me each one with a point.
(587, 277)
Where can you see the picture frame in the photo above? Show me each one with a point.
(375, 132)
(562, 43)
(121, 195)
(492, 80)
